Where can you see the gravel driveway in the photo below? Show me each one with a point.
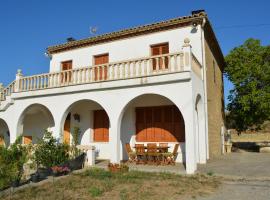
(247, 176)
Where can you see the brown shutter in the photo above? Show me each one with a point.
(27, 139)
(101, 126)
(101, 60)
(67, 130)
(159, 124)
(160, 49)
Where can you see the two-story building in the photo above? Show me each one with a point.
(160, 82)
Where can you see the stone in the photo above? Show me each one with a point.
(265, 149)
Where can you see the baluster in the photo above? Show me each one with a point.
(139, 68)
(118, 71)
(107, 72)
(35, 79)
(163, 63)
(175, 62)
(37, 82)
(134, 69)
(113, 72)
(80, 76)
(145, 67)
(157, 64)
(123, 70)
(128, 69)
(169, 62)
(182, 66)
(102, 72)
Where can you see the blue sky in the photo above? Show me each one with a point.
(27, 27)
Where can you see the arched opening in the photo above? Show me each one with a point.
(4, 134)
(93, 123)
(152, 118)
(200, 131)
(33, 123)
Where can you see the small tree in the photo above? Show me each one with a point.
(50, 153)
(75, 142)
(248, 68)
(12, 160)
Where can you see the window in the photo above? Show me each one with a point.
(101, 126)
(160, 49)
(101, 71)
(159, 124)
(65, 66)
(214, 70)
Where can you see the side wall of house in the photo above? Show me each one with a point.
(215, 98)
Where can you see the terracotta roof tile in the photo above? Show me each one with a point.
(139, 30)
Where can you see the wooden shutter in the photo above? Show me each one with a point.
(101, 126)
(101, 71)
(159, 124)
(2, 140)
(66, 76)
(67, 130)
(157, 50)
(27, 139)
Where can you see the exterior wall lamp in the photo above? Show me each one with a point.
(77, 117)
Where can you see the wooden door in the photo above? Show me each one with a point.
(27, 139)
(2, 141)
(101, 126)
(66, 76)
(101, 71)
(67, 130)
(157, 50)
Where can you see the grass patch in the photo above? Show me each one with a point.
(101, 184)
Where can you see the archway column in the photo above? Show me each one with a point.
(114, 135)
(191, 159)
(57, 129)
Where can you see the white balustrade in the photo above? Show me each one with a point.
(142, 67)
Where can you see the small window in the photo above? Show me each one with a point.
(160, 49)
(214, 70)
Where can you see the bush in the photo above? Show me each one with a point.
(12, 160)
(49, 153)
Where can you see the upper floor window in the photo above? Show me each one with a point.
(160, 49)
(101, 71)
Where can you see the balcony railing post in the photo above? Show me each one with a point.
(19, 76)
(187, 54)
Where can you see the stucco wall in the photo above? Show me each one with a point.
(130, 48)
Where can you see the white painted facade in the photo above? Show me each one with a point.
(32, 110)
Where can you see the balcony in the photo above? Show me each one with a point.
(124, 70)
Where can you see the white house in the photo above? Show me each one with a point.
(154, 83)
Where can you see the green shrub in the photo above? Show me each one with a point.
(12, 160)
(49, 153)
